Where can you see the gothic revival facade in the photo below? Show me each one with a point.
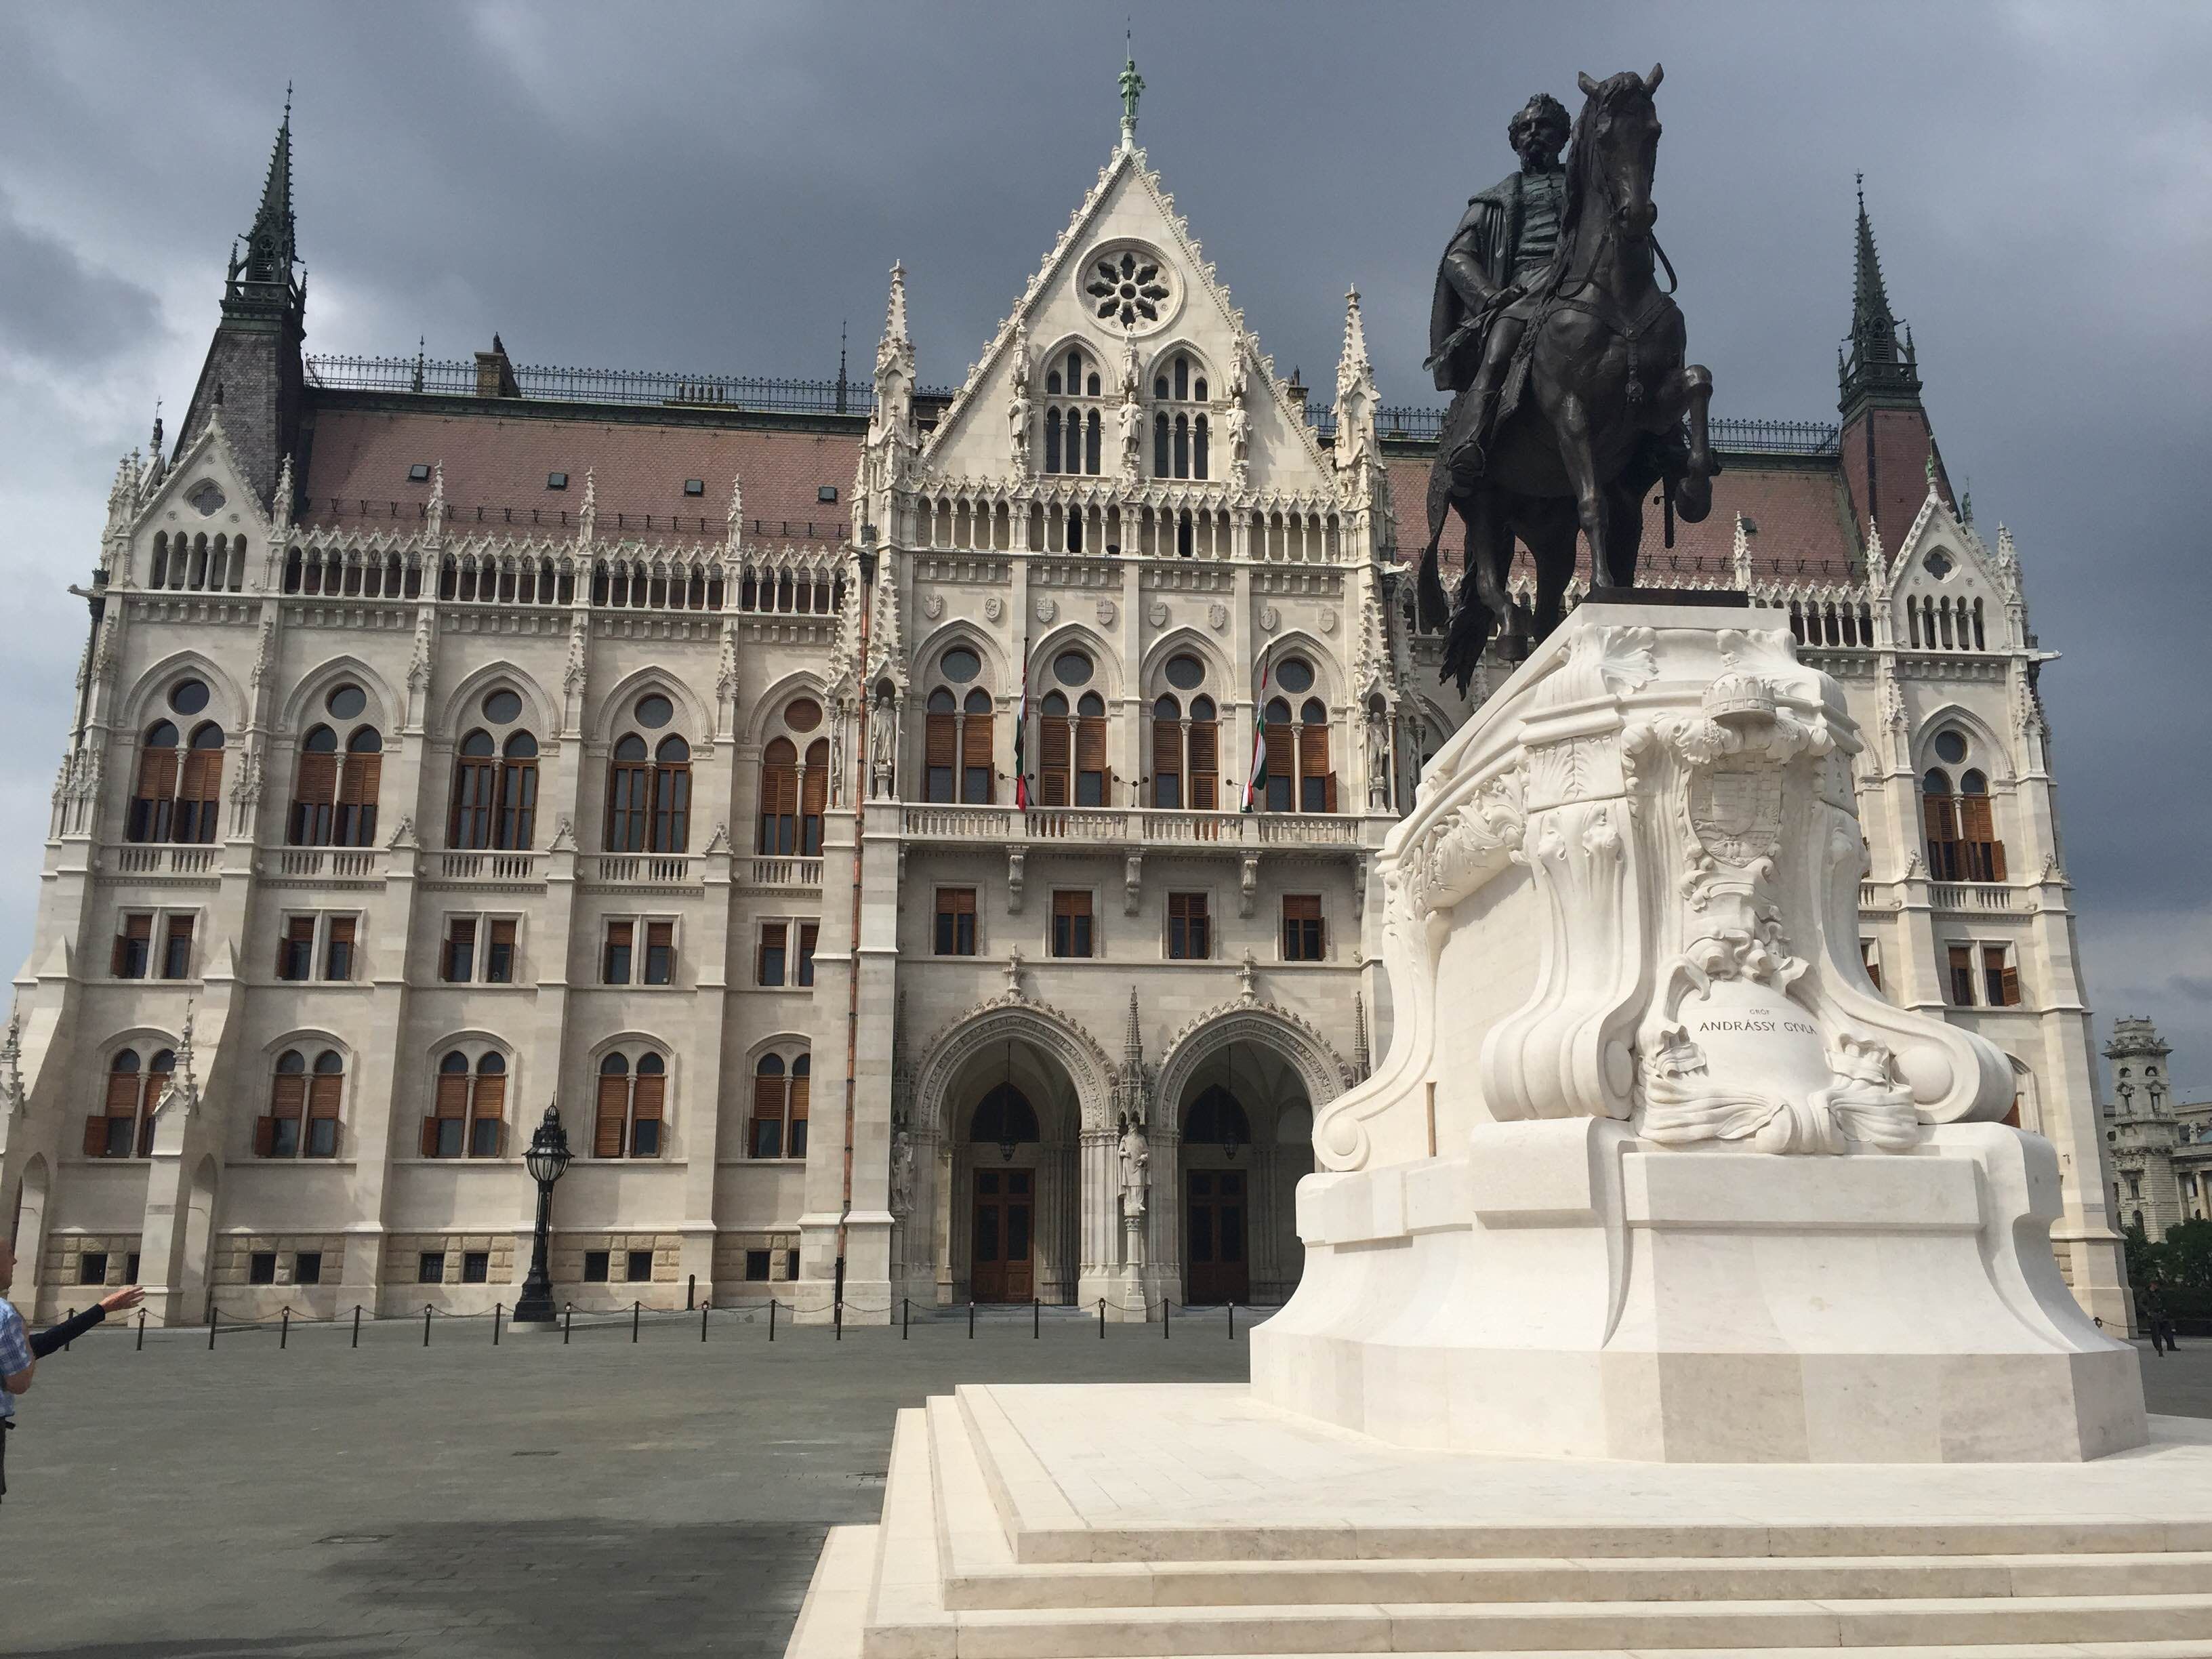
(2160, 1148)
(924, 840)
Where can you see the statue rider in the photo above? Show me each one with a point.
(1504, 244)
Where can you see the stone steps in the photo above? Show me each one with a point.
(999, 1542)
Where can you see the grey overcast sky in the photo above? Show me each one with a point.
(715, 188)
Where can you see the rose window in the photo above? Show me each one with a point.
(1127, 288)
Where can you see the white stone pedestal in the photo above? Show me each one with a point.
(1651, 1169)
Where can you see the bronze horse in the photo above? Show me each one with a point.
(1595, 404)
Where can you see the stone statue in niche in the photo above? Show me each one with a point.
(901, 1170)
(1135, 1153)
(883, 746)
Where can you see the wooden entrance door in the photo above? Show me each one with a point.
(1002, 1266)
(1213, 1238)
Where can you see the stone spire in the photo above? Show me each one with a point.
(1874, 366)
(262, 278)
(1129, 1082)
(891, 440)
(1360, 1061)
(1355, 390)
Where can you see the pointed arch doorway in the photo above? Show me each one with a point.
(1002, 1232)
(1245, 1140)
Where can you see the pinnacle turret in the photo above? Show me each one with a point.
(262, 276)
(1874, 366)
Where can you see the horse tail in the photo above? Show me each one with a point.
(1463, 645)
(1435, 604)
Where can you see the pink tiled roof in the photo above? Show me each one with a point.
(496, 466)
(1802, 519)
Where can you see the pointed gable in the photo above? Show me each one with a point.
(1127, 286)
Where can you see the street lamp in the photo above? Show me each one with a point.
(547, 1160)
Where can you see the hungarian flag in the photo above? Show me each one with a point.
(1021, 737)
(1256, 782)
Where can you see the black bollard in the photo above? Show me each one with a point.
(284, 1328)
(356, 1324)
(1232, 1321)
(703, 1306)
(634, 1308)
(1167, 1319)
(141, 1329)
(771, 1319)
(690, 1290)
(971, 1318)
(426, 1324)
(567, 1316)
(906, 1314)
(1102, 1319)
(214, 1314)
(1036, 1318)
(495, 1307)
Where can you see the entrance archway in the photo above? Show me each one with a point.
(1244, 1140)
(1008, 1197)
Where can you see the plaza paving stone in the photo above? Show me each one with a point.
(602, 1498)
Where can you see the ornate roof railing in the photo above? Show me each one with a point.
(455, 378)
(1739, 437)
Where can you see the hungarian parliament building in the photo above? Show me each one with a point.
(925, 841)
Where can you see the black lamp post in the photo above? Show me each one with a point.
(546, 1160)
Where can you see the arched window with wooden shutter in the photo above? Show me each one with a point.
(475, 785)
(446, 1129)
(488, 1108)
(1167, 754)
(199, 786)
(315, 789)
(975, 749)
(154, 803)
(1056, 752)
(802, 1078)
(1282, 757)
(1091, 771)
(1940, 808)
(359, 780)
(607, 1134)
(112, 1131)
(516, 828)
(1205, 755)
(771, 1093)
(325, 1089)
(279, 1133)
(1981, 854)
(672, 796)
(647, 1103)
(779, 809)
(630, 790)
(940, 745)
(1316, 783)
(814, 797)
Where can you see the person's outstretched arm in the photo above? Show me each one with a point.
(56, 1336)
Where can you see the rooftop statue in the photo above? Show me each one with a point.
(1566, 358)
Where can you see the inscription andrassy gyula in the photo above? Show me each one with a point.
(1795, 1027)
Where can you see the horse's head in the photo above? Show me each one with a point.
(1616, 148)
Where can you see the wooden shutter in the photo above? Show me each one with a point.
(96, 1135)
(502, 939)
(1962, 988)
(614, 1102)
(1090, 745)
(430, 1147)
(264, 1137)
(323, 1090)
(975, 751)
(1313, 761)
(2012, 988)
(157, 774)
(942, 747)
(1204, 765)
(311, 795)
(298, 930)
(816, 795)
(772, 939)
(651, 1092)
(491, 1101)
(361, 779)
(1053, 747)
(341, 935)
(461, 932)
(1167, 756)
(768, 1108)
(289, 1098)
(799, 1099)
(138, 929)
(452, 1094)
(1281, 761)
(179, 932)
(659, 965)
(202, 777)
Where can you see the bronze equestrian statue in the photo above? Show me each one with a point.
(1566, 358)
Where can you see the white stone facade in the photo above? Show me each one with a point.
(972, 565)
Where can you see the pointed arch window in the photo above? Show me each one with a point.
(1093, 775)
(1167, 754)
(632, 1097)
(779, 808)
(649, 796)
(123, 1127)
(1962, 838)
(302, 1119)
(1179, 434)
(777, 1126)
(813, 797)
(333, 793)
(476, 786)
(468, 1113)
(180, 789)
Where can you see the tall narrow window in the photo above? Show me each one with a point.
(1981, 855)
(1090, 443)
(764, 1130)
(1190, 934)
(1205, 755)
(1167, 753)
(176, 948)
(609, 1133)
(278, 1135)
(133, 946)
(813, 797)
(672, 796)
(1055, 751)
(460, 951)
(1052, 436)
(659, 952)
(1071, 924)
(315, 789)
(629, 794)
(1316, 783)
(499, 953)
(199, 786)
(648, 1100)
(1940, 808)
(296, 951)
(976, 748)
(1282, 757)
(614, 956)
(1960, 960)
(154, 802)
(955, 934)
(803, 973)
(1162, 461)
(337, 948)
(769, 968)
(1303, 938)
(779, 808)
(476, 786)
(1999, 980)
(1090, 773)
(361, 778)
(112, 1131)
(516, 828)
(487, 1107)
(941, 744)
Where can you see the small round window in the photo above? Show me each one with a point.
(1294, 674)
(188, 696)
(654, 711)
(960, 665)
(502, 706)
(1071, 668)
(1186, 673)
(1950, 746)
(346, 701)
(1937, 564)
(207, 497)
(802, 714)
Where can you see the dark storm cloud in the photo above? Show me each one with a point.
(56, 307)
(715, 188)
